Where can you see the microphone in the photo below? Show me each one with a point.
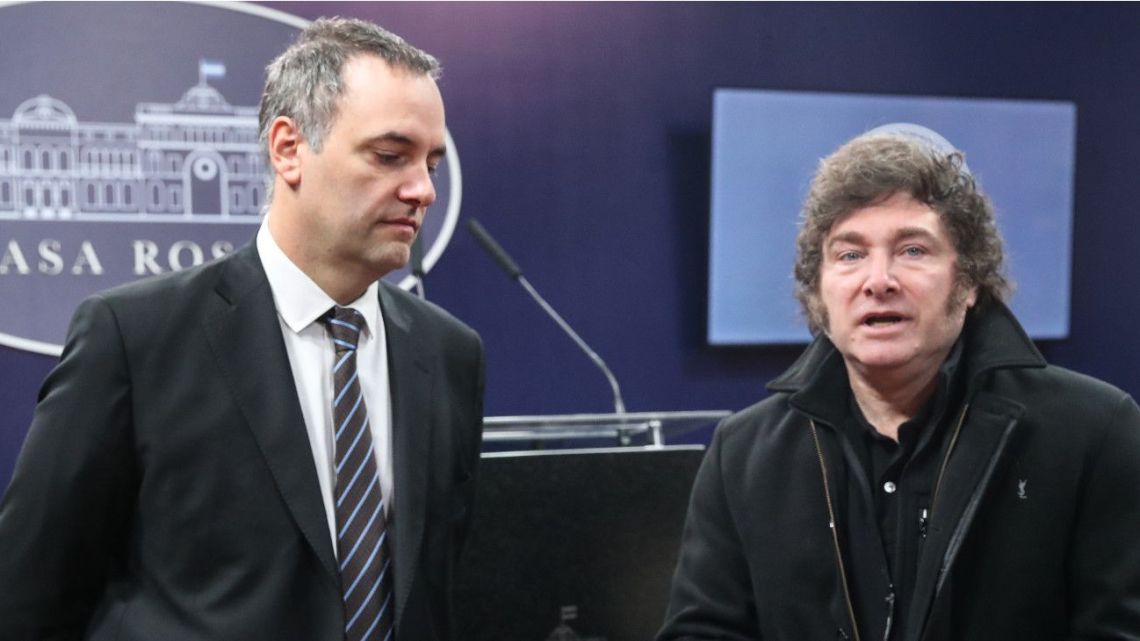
(511, 269)
(418, 265)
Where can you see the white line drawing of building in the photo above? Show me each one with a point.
(195, 161)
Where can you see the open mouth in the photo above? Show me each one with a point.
(882, 320)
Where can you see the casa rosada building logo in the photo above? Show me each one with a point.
(90, 202)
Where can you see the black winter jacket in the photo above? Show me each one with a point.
(1034, 531)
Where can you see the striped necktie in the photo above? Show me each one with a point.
(362, 541)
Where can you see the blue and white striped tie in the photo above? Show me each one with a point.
(362, 541)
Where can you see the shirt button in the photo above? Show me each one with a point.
(889, 487)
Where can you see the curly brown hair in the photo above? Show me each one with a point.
(873, 167)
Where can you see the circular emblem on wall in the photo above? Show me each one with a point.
(129, 148)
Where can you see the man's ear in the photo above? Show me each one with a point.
(284, 149)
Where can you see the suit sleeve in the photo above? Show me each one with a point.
(64, 517)
(711, 595)
(1104, 563)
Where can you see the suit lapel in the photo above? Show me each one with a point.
(411, 388)
(246, 339)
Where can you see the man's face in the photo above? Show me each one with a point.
(364, 195)
(887, 283)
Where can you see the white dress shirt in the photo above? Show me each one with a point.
(300, 304)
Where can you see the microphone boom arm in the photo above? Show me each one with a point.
(511, 269)
(619, 404)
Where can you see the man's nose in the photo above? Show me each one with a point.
(880, 277)
(418, 188)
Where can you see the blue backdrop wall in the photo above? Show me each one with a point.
(583, 132)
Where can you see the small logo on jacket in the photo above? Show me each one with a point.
(1021, 483)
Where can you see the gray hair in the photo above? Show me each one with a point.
(305, 83)
(875, 166)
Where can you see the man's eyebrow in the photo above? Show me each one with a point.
(907, 233)
(853, 237)
(404, 140)
(391, 136)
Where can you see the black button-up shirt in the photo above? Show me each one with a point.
(889, 494)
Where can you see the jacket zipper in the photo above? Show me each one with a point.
(831, 509)
(942, 470)
(835, 533)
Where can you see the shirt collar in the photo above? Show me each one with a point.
(299, 300)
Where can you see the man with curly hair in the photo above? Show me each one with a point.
(920, 472)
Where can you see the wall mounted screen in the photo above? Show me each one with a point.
(766, 146)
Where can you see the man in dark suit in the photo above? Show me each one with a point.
(274, 445)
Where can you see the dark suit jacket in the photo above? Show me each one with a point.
(167, 491)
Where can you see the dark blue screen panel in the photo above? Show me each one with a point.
(766, 146)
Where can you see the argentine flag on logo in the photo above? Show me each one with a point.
(210, 69)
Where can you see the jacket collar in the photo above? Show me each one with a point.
(993, 339)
